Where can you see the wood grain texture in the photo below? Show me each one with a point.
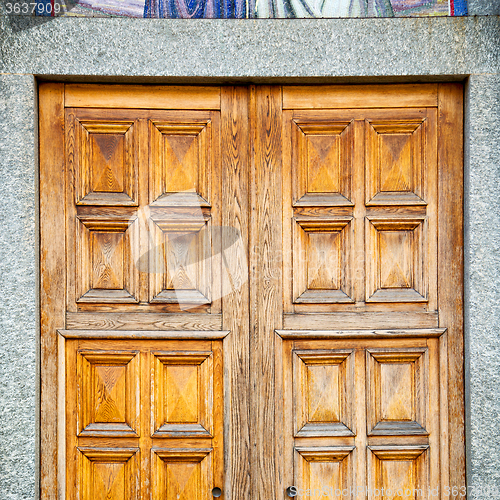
(360, 334)
(115, 448)
(358, 320)
(383, 391)
(235, 300)
(142, 334)
(359, 96)
(450, 264)
(265, 283)
(141, 96)
(142, 321)
(52, 265)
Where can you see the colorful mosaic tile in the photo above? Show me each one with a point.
(241, 9)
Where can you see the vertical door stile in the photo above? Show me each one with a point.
(235, 151)
(451, 267)
(265, 279)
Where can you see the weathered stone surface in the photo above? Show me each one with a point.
(482, 275)
(251, 49)
(18, 289)
(483, 7)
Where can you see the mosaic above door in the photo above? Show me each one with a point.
(244, 9)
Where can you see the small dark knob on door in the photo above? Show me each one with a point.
(216, 492)
(291, 491)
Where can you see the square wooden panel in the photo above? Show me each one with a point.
(108, 393)
(324, 471)
(402, 471)
(322, 252)
(180, 264)
(395, 162)
(183, 394)
(323, 393)
(180, 162)
(396, 260)
(398, 391)
(105, 271)
(106, 163)
(108, 473)
(322, 163)
(181, 474)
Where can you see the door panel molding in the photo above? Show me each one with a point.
(346, 363)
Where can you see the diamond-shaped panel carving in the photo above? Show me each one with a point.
(183, 394)
(323, 393)
(108, 393)
(396, 268)
(107, 170)
(181, 474)
(109, 474)
(321, 163)
(398, 387)
(395, 157)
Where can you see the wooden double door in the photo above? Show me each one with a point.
(251, 292)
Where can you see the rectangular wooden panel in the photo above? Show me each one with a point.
(321, 162)
(181, 474)
(106, 272)
(109, 474)
(323, 393)
(323, 472)
(183, 394)
(398, 388)
(396, 162)
(142, 416)
(359, 96)
(182, 161)
(108, 401)
(106, 157)
(396, 259)
(368, 404)
(141, 96)
(402, 472)
(322, 260)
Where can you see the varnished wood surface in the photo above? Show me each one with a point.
(141, 334)
(360, 96)
(236, 295)
(336, 348)
(142, 321)
(357, 334)
(52, 276)
(354, 320)
(451, 270)
(265, 283)
(141, 96)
